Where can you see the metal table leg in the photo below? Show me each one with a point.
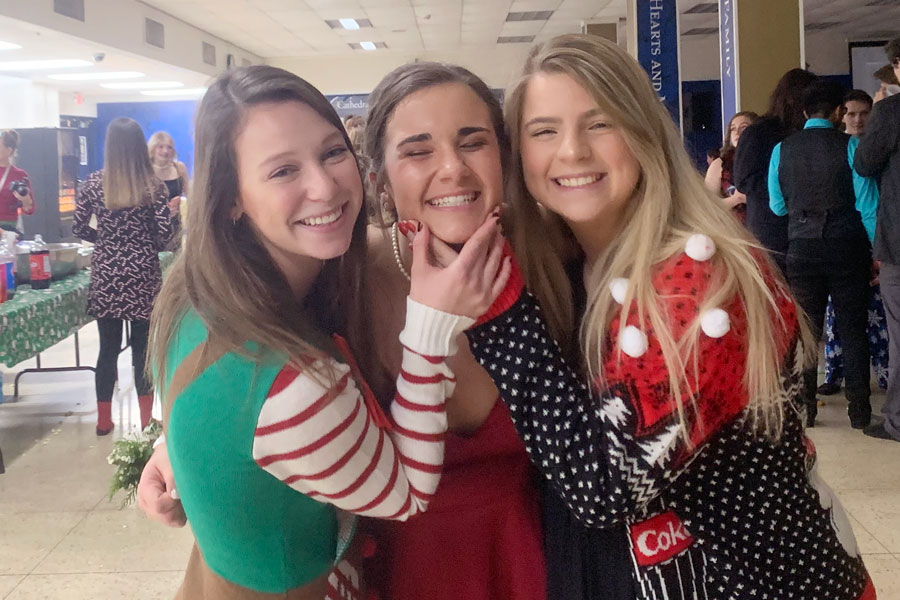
(40, 369)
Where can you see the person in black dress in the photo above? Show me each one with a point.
(172, 172)
(133, 225)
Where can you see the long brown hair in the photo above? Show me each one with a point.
(128, 178)
(408, 79)
(224, 273)
(670, 203)
(727, 148)
(785, 103)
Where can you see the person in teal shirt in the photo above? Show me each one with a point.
(829, 206)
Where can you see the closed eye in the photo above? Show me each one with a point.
(473, 145)
(543, 132)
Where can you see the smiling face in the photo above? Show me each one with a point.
(442, 160)
(299, 184)
(163, 153)
(575, 161)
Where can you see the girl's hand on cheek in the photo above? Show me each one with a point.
(466, 283)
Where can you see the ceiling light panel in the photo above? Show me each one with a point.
(97, 76)
(39, 65)
(142, 85)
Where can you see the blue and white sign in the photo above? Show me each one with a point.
(657, 39)
(350, 104)
(728, 61)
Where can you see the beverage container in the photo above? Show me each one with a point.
(39, 261)
(7, 272)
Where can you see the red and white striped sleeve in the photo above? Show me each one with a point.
(322, 441)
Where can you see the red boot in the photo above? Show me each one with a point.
(146, 405)
(105, 424)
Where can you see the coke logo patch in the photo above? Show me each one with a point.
(658, 539)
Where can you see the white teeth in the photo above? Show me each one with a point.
(324, 219)
(453, 200)
(577, 181)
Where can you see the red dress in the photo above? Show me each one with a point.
(481, 537)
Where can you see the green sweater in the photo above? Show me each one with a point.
(252, 529)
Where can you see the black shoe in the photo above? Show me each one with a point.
(877, 430)
(828, 389)
(811, 417)
(860, 413)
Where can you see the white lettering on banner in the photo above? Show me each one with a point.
(656, 75)
(342, 104)
(726, 31)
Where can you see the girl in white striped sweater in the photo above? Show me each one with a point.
(270, 426)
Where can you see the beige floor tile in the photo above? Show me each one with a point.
(879, 513)
(113, 541)
(8, 583)
(65, 471)
(27, 539)
(885, 572)
(160, 585)
(860, 463)
(866, 541)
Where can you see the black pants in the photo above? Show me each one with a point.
(841, 268)
(110, 346)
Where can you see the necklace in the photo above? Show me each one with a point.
(396, 245)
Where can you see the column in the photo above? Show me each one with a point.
(759, 40)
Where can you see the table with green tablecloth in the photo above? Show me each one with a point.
(34, 320)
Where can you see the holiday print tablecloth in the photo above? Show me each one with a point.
(35, 320)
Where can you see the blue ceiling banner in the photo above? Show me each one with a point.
(728, 61)
(657, 40)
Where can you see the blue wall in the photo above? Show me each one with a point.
(175, 117)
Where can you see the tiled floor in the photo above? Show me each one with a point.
(60, 538)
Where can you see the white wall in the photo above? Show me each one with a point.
(120, 24)
(69, 106)
(24, 103)
(362, 72)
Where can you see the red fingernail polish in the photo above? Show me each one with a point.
(405, 227)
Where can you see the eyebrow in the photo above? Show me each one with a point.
(555, 120)
(329, 139)
(424, 137)
(419, 137)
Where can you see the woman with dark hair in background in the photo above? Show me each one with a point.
(15, 187)
(719, 175)
(751, 160)
(133, 226)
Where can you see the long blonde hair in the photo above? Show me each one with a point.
(670, 203)
(225, 273)
(128, 178)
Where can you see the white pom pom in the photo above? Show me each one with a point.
(619, 287)
(715, 322)
(700, 247)
(633, 342)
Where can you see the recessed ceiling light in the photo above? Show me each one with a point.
(9, 46)
(142, 85)
(97, 76)
(349, 23)
(34, 65)
(367, 45)
(185, 92)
